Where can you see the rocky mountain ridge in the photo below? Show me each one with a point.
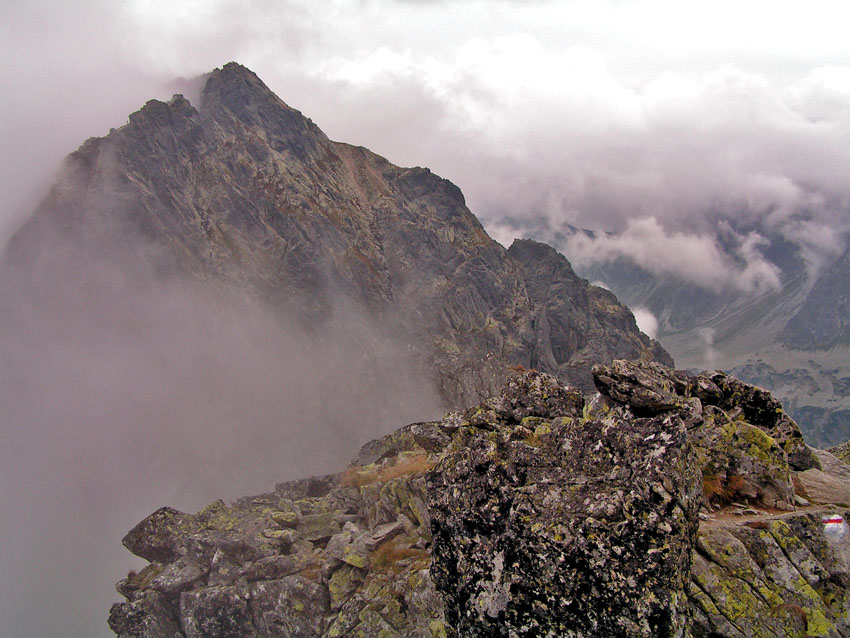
(216, 296)
(244, 191)
(669, 505)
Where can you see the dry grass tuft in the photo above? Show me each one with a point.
(533, 440)
(416, 464)
(722, 490)
(387, 556)
(712, 487)
(793, 613)
(736, 485)
(311, 573)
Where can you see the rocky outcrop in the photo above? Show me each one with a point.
(667, 505)
(575, 325)
(558, 523)
(242, 191)
(342, 555)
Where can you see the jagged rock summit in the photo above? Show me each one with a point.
(242, 191)
(668, 505)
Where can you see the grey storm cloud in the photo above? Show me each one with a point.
(697, 128)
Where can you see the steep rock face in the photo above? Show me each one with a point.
(531, 514)
(555, 524)
(244, 191)
(575, 325)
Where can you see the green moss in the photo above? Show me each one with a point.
(285, 519)
(761, 446)
(817, 624)
(353, 557)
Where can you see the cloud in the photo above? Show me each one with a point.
(123, 394)
(695, 258)
(646, 321)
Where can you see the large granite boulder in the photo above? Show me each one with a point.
(558, 524)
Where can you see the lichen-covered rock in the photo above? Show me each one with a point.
(779, 577)
(740, 462)
(583, 528)
(535, 513)
(828, 485)
(216, 612)
(148, 615)
(760, 409)
(747, 446)
(841, 452)
(646, 388)
(340, 555)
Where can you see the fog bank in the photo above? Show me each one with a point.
(124, 394)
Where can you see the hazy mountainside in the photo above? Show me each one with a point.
(822, 323)
(670, 505)
(793, 340)
(245, 190)
(216, 296)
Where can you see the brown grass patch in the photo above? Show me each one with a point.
(416, 464)
(712, 487)
(720, 490)
(735, 486)
(794, 613)
(311, 573)
(533, 440)
(387, 556)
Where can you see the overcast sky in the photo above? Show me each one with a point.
(658, 116)
(676, 121)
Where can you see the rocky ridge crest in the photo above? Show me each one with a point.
(668, 505)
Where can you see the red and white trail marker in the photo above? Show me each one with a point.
(834, 525)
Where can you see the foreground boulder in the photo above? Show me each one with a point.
(667, 505)
(555, 524)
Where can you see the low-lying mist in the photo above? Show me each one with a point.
(122, 394)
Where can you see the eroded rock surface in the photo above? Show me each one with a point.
(666, 505)
(559, 524)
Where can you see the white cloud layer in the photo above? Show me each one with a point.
(696, 258)
(646, 321)
(592, 113)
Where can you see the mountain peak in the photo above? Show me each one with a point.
(248, 192)
(235, 74)
(237, 85)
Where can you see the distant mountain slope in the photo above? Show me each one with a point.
(794, 340)
(243, 190)
(823, 321)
